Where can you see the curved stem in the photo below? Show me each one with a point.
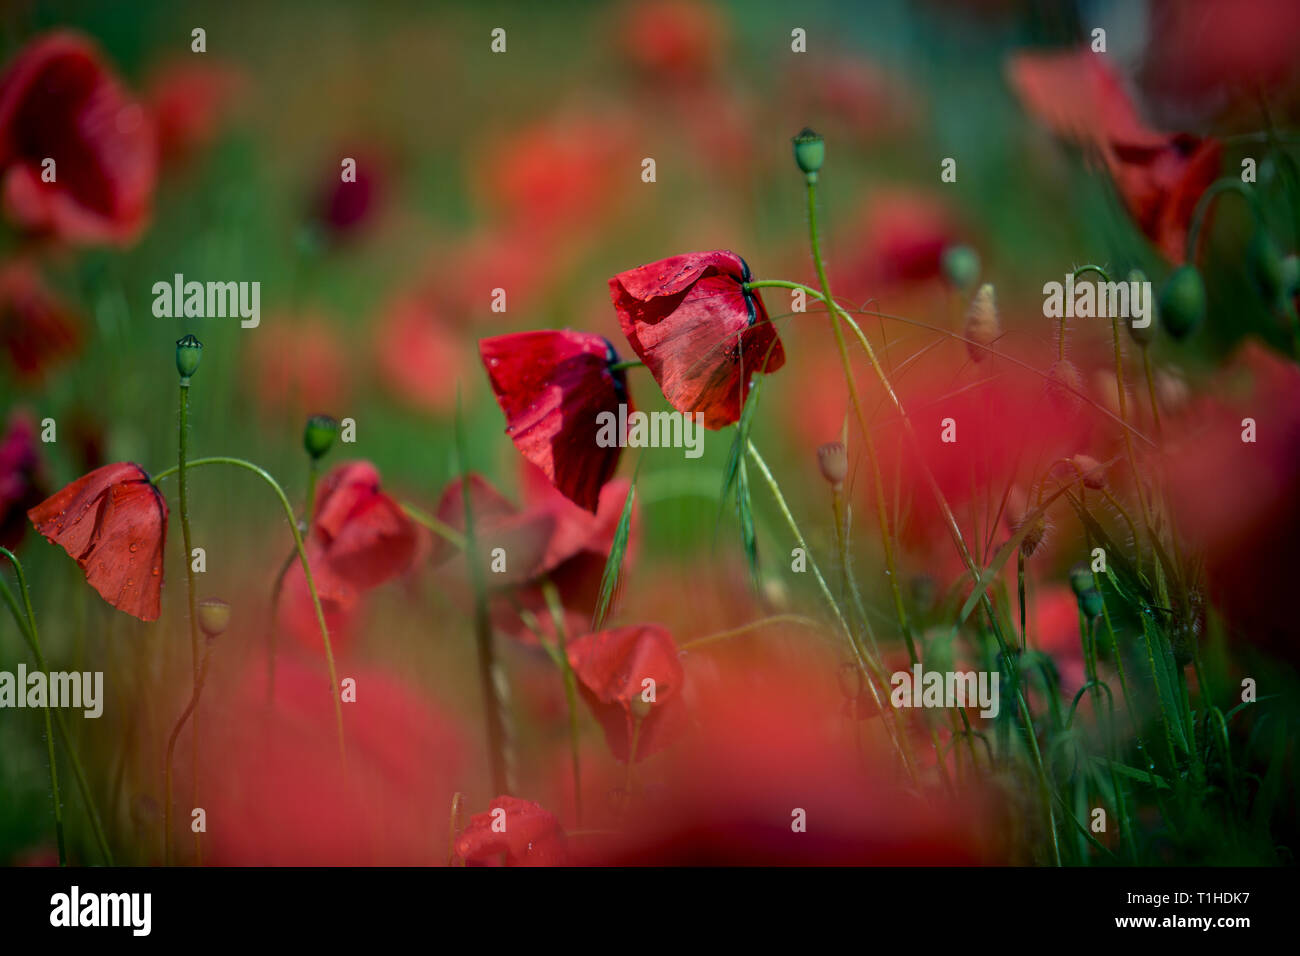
(190, 708)
(1215, 189)
(746, 628)
(306, 570)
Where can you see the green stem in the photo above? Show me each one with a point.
(556, 607)
(182, 445)
(306, 570)
(631, 363)
(1215, 189)
(190, 708)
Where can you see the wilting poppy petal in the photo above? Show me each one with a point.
(113, 521)
(553, 387)
(613, 667)
(59, 101)
(527, 833)
(701, 334)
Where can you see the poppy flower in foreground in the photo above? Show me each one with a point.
(616, 671)
(59, 101)
(527, 833)
(698, 330)
(113, 521)
(1160, 176)
(553, 387)
(359, 539)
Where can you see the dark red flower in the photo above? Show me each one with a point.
(113, 521)
(359, 538)
(21, 481)
(527, 833)
(553, 387)
(617, 671)
(699, 331)
(345, 208)
(1159, 176)
(36, 329)
(59, 101)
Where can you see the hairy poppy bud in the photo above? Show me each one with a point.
(1182, 301)
(982, 327)
(214, 616)
(1143, 335)
(961, 267)
(1020, 516)
(1094, 475)
(833, 460)
(1265, 262)
(809, 152)
(1081, 579)
(1091, 603)
(188, 352)
(318, 437)
(1064, 386)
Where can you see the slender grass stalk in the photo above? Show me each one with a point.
(556, 607)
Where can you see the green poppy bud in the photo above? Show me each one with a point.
(1091, 603)
(1290, 275)
(1146, 334)
(961, 267)
(318, 437)
(189, 351)
(1081, 579)
(1265, 262)
(1182, 301)
(809, 152)
(214, 616)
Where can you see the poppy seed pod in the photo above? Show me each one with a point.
(318, 435)
(809, 152)
(961, 267)
(1143, 335)
(214, 617)
(833, 460)
(982, 327)
(1182, 301)
(189, 351)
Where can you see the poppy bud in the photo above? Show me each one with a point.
(318, 437)
(1020, 516)
(188, 352)
(982, 326)
(833, 460)
(1063, 387)
(809, 152)
(1091, 603)
(1266, 269)
(1182, 301)
(961, 267)
(214, 616)
(1143, 336)
(1094, 475)
(1081, 580)
(1290, 275)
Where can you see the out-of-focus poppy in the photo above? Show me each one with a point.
(283, 792)
(899, 238)
(113, 521)
(618, 672)
(700, 332)
(553, 387)
(299, 366)
(675, 42)
(59, 101)
(189, 100)
(359, 539)
(1160, 176)
(37, 330)
(527, 833)
(345, 207)
(21, 479)
(420, 355)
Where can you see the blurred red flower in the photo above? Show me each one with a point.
(899, 238)
(1160, 176)
(552, 387)
(113, 521)
(701, 334)
(612, 668)
(300, 365)
(284, 794)
(59, 101)
(344, 208)
(37, 330)
(527, 833)
(359, 539)
(420, 356)
(189, 100)
(672, 41)
(21, 477)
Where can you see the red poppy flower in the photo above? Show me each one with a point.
(300, 365)
(553, 387)
(359, 538)
(698, 330)
(419, 355)
(1159, 176)
(346, 208)
(20, 477)
(113, 521)
(673, 41)
(36, 329)
(613, 668)
(59, 101)
(527, 833)
(189, 101)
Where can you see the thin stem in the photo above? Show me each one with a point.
(631, 363)
(440, 528)
(190, 708)
(556, 607)
(1151, 391)
(746, 628)
(182, 447)
(306, 570)
(1215, 189)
